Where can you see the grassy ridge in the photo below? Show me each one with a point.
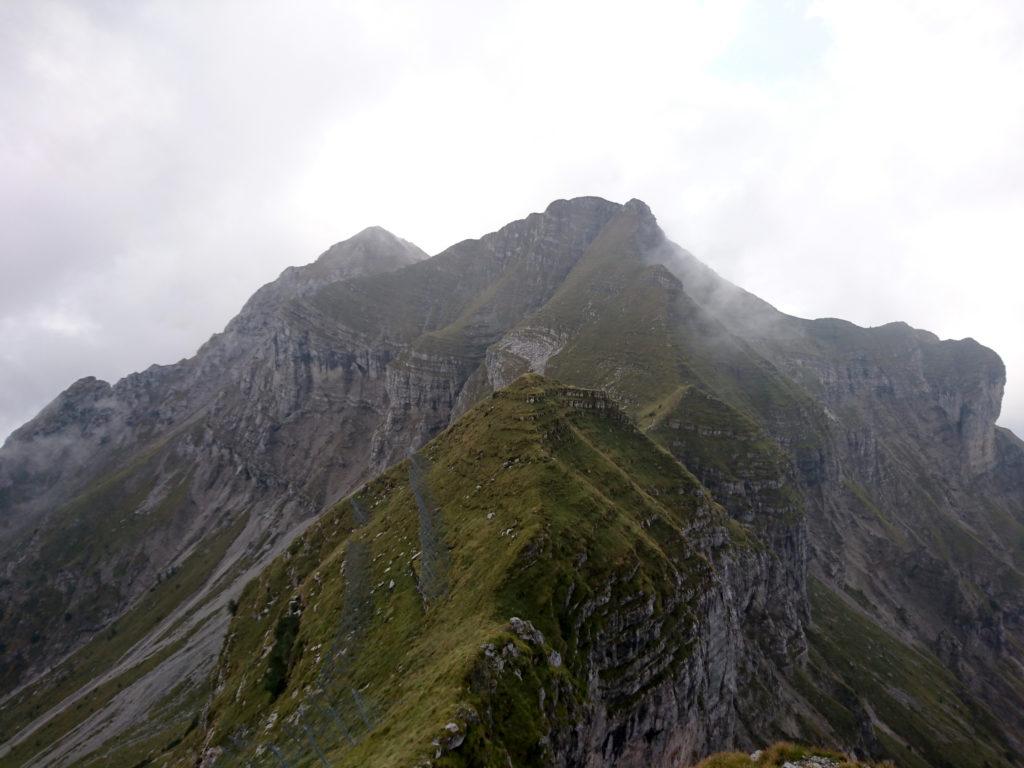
(545, 507)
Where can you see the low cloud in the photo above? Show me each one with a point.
(162, 160)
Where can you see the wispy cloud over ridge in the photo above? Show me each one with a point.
(162, 160)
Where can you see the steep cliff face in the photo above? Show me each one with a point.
(553, 507)
(93, 426)
(277, 415)
(315, 387)
(851, 573)
(914, 509)
(125, 507)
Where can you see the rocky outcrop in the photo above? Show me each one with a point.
(660, 696)
(302, 397)
(114, 488)
(862, 462)
(910, 500)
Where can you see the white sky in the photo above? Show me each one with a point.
(161, 160)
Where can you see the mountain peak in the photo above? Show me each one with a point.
(371, 251)
(639, 206)
(634, 214)
(377, 235)
(637, 538)
(374, 230)
(373, 242)
(582, 205)
(594, 202)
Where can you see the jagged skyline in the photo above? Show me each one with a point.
(164, 163)
(419, 413)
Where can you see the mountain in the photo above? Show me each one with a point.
(771, 527)
(555, 507)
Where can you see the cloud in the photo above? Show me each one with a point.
(162, 160)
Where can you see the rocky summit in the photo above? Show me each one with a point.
(557, 496)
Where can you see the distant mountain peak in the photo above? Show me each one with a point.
(638, 205)
(375, 237)
(584, 203)
(371, 251)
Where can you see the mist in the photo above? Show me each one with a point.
(163, 160)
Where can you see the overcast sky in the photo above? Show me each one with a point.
(161, 160)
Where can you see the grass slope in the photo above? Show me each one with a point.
(103, 652)
(780, 754)
(550, 503)
(923, 716)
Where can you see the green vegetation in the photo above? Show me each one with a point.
(778, 754)
(731, 455)
(282, 654)
(863, 500)
(393, 613)
(168, 725)
(635, 333)
(549, 499)
(78, 712)
(927, 718)
(94, 538)
(104, 651)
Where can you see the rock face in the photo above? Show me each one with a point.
(170, 485)
(877, 602)
(916, 499)
(644, 663)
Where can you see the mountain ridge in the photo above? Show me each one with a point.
(864, 461)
